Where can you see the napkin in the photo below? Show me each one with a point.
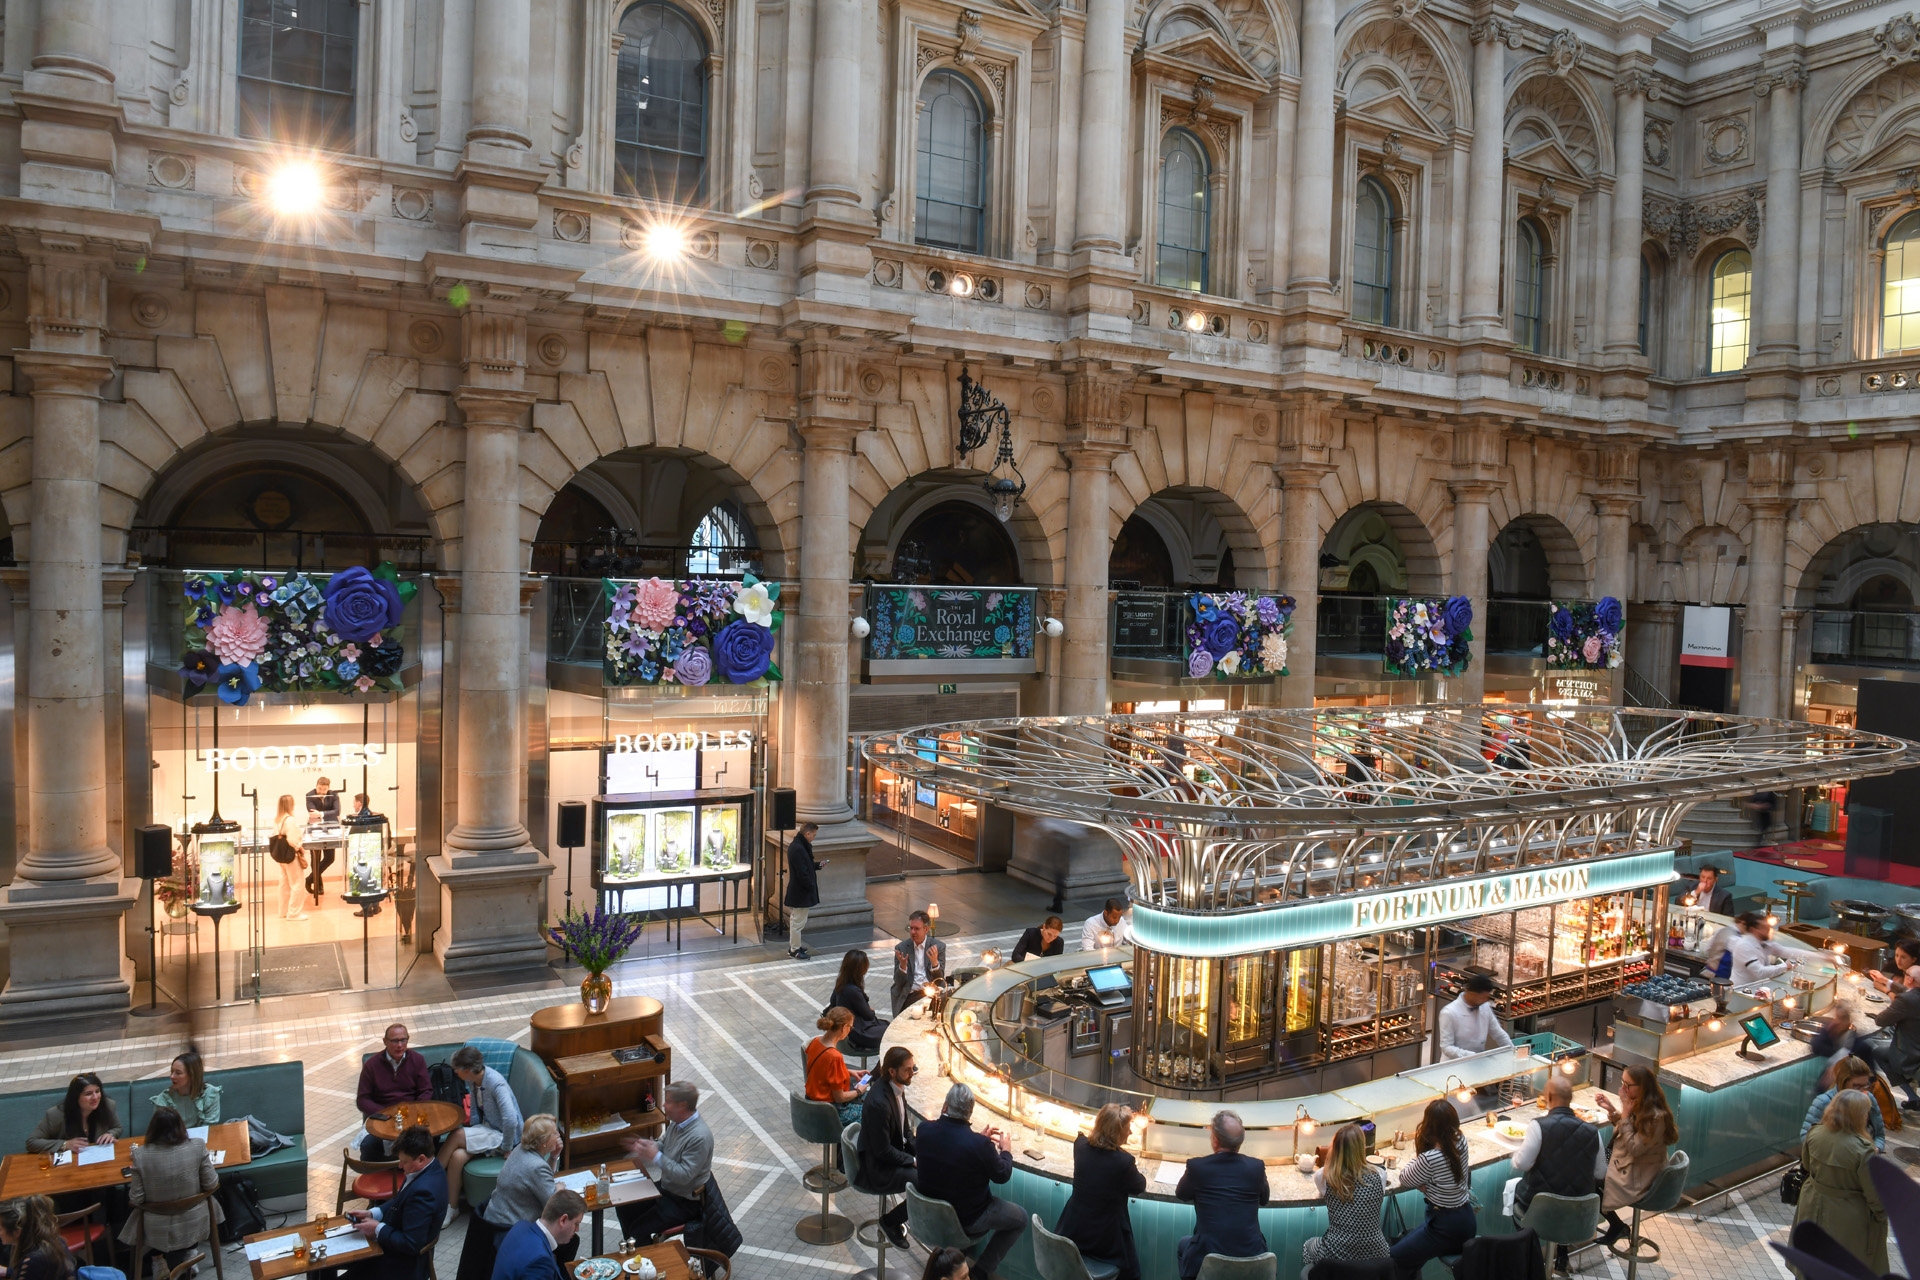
(198, 1131)
(95, 1155)
(274, 1247)
(218, 1158)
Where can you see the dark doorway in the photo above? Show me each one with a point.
(957, 544)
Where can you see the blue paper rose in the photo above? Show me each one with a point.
(1223, 636)
(1609, 615)
(743, 651)
(360, 605)
(1561, 624)
(1456, 615)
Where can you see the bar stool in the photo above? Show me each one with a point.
(1567, 1220)
(1058, 1258)
(1662, 1196)
(877, 1241)
(819, 1122)
(1795, 890)
(1772, 906)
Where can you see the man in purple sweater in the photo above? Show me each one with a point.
(397, 1075)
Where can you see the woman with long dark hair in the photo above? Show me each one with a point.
(945, 1263)
(1643, 1129)
(31, 1230)
(84, 1118)
(850, 993)
(1438, 1169)
(170, 1166)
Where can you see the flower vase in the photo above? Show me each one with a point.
(177, 909)
(596, 992)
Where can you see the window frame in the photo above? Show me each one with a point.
(348, 135)
(984, 160)
(1528, 231)
(619, 183)
(1204, 214)
(1909, 218)
(1389, 248)
(1713, 324)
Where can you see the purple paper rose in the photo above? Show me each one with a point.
(693, 666)
(1456, 615)
(1223, 636)
(743, 651)
(359, 605)
(1609, 615)
(1199, 663)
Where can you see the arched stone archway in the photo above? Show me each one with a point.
(1209, 539)
(1535, 557)
(1387, 546)
(910, 502)
(1839, 572)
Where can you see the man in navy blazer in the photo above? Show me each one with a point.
(406, 1226)
(958, 1165)
(1226, 1190)
(527, 1252)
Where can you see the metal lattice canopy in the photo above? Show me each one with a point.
(1232, 809)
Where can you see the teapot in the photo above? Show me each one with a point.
(647, 1269)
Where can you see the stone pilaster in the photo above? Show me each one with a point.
(1632, 88)
(1777, 309)
(64, 908)
(499, 173)
(1476, 463)
(492, 879)
(1100, 221)
(1769, 496)
(1486, 173)
(1096, 434)
(1306, 428)
(832, 257)
(1310, 269)
(831, 418)
(67, 149)
(1616, 494)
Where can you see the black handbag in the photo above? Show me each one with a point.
(281, 849)
(1790, 1185)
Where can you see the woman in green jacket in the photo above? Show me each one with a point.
(189, 1093)
(1838, 1193)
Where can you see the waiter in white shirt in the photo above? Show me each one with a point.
(1467, 1025)
(1110, 920)
(1756, 957)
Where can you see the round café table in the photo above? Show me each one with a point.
(1804, 864)
(440, 1118)
(1796, 891)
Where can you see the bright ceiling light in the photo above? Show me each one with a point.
(295, 189)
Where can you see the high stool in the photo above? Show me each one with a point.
(1796, 891)
(1058, 1258)
(1662, 1196)
(935, 1224)
(820, 1122)
(850, 1157)
(1567, 1220)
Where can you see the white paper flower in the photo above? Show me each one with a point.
(755, 605)
(1273, 651)
(1231, 662)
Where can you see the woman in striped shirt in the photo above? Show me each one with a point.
(1440, 1171)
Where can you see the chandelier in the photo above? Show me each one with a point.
(980, 413)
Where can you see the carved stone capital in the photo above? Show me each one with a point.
(70, 373)
(1097, 406)
(66, 291)
(486, 406)
(1645, 84)
(1769, 478)
(1790, 76)
(493, 348)
(1495, 30)
(1619, 473)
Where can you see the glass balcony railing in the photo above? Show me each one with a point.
(1352, 626)
(1518, 627)
(1150, 625)
(1868, 639)
(576, 621)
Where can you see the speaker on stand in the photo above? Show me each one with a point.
(573, 834)
(152, 860)
(786, 817)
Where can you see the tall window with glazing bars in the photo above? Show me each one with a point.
(296, 71)
(1185, 208)
(1372, 254)
(950, 183)
(660, 112)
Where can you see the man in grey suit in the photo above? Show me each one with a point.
(917, 960)
(680, 1164)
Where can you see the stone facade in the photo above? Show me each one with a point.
(473, 303)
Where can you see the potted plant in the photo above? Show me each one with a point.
(596, 942)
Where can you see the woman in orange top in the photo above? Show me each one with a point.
(828, 1079)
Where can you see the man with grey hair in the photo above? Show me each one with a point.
(956, 1165)
(680, 1164)
(1226, 1190)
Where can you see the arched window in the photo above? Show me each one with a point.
(1730, 322)
(660, 108)
(1180, 260)
(1900, 287)
(950, 197)
(717, 540)
(1530, 288)
(1373, 254)
(1646, 299)
(296, 71)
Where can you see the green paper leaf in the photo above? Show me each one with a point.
(773, 672)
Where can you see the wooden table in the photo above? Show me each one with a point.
(439, 1117)
(281, 1268)
(21, 1175)
(630, 1192)
(669, 1260)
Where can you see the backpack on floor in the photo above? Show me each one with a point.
(240, 1201)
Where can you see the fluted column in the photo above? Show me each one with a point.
(1769, 483)
(1313, 184)
(1304, 461)
(1778, 300)
(1486, 173)
(838, 37)
(1100, 222)
(1096, 434)
(502, 39)
(1631, 90)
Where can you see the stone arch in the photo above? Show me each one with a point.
(1261, 30)
(649, 480)
(1569, 573)
(1862, 113)
(1354, 538)
(1846, 561)
(1233, 531)
(1206, 448)
(1877, 484)
(1545, 486)
(1557, 108)
(892, 517)
(1410, 53)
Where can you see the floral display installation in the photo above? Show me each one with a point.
(291, 632)
(691, 632)
(949, 622)
(1585, 635)
(1428, 635)
(1237, 633)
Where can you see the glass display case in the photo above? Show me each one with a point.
(1554, 957)
(665, 837)
(366, 856)
(217, 848)
(1268, 1015)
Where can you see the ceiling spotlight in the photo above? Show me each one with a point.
(295, 189)
(664, 242)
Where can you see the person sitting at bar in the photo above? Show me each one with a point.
(1439, 1171)
(361, 809)
(1354, 1192)
(323, 803)
(1707, 892)
(1756, 957)
(958, 1165)
(850, 993)
(1643, 1129)
(1902, 1017)
(85, 1117)
(30, 1228)
(406, 1226)
(1906, 955)
(917, 960)
(680, 1163)
(1839, 1038)
(828, 1079)
(189, 1093)
(496, 1118)
(1105, 1174)
(1561, 1154)
(1848, 1073)
(387, 1079)
(170, 1166)
(1112, 921)
(1043, 941)
(886, 1140)
(530, 1249)
(1467, 1022)
(1226, 1190)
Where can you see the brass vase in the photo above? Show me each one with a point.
(596, 992)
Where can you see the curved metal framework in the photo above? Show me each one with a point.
(1246, 809)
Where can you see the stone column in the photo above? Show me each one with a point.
(1778, 297)
(831, 417)
(1305, 446)
(1631, 90)
(1769, 487)
(1617, 493)
(1313, 184)
(1476, 462)
(1652, 644)
(1790, 620)
(499, 172)
(502, 36)
(1486, 174)
(838, 37)
(67, 148)
(492, 879)
(64, 908)
(1100, 221)
(1096, 434)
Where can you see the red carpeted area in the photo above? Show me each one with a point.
(1829, 855)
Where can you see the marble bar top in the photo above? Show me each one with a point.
(1044, 1155)
(1720, 1067)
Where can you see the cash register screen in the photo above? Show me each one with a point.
(1110, 977)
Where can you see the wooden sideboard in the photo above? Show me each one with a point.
(578, 1046)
